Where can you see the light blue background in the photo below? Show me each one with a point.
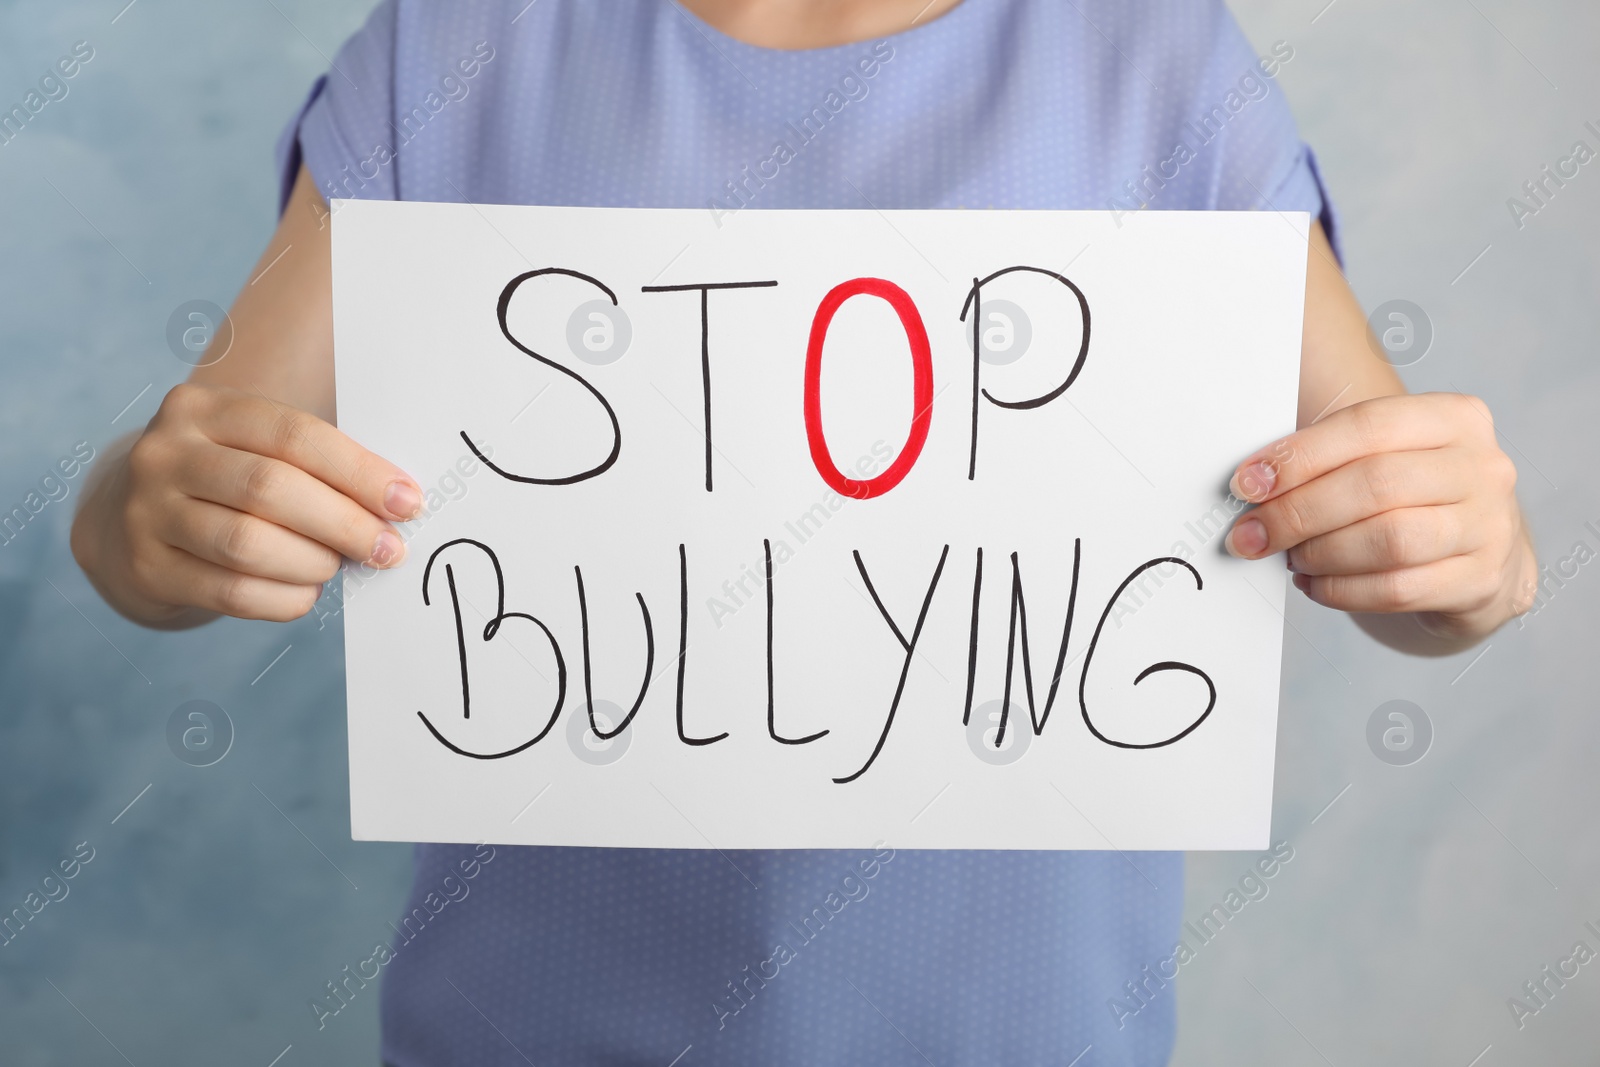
(220, 902)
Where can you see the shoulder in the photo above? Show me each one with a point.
(1175, 105)
(1185, 49)
(412, 32)
(1142, 68)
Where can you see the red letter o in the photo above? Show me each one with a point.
(921, 388)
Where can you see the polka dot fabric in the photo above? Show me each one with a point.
(618, 956)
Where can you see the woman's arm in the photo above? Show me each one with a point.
(1398, 509)
(240, 497)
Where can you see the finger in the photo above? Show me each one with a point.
(1404, 537)
(1371, 427)
(262, 426)
(274, 490)
(242, 542)
(190, 580)
(1348, 494)
(1456, 584)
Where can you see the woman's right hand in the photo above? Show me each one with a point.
(231, 503)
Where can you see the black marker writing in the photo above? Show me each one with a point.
(772, 725)
(910, 648)
(490, 630)
(705, 343)
(616, 427)
(974, 303)
(908, 640)
(649, 662)
(1165, 665)
(683, 648)
(1019, 622)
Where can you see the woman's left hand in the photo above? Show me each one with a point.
(1395, 504)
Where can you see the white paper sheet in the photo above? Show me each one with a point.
(858, 650)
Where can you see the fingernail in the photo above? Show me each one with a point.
(1247, 539)
(402, 500)
(1253, 481)
(388, 550)
(1302, 582)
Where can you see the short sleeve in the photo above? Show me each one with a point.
(341, 133)
(1261, 162)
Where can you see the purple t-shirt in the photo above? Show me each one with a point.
(566, 955)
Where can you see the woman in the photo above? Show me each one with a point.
(241, 497)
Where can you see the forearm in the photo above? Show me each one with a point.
(1396, 509)
(165, 524)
